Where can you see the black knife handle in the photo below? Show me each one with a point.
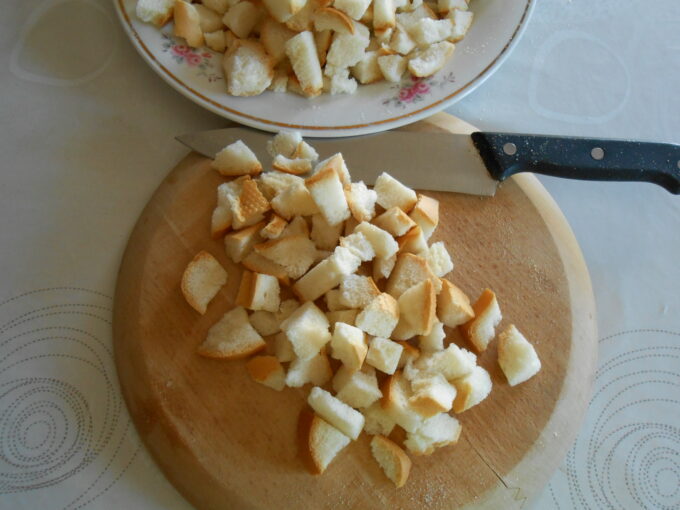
(590, 159)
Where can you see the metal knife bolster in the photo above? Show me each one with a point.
(426, 161)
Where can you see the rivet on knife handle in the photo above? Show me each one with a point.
(506, 154)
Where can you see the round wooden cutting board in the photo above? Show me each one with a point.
(227, 442)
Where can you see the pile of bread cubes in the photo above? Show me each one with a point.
(334, 269)
(314, 46)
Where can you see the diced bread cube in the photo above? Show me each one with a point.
(260, 264)
(324, 235)
(188, 23)
(294, 200)
(315, 370)
(347, 420)
(328, 18)
(346, 316)
(383, 243)
(241, 18)
(396, 392)
(516, 356)
(401, 42)
(202, 279)
(383, 14)
(452, 363)
(367, 69)
(428, 61)
(284, 143)
(377, 420)
(216, 41)
(472, 389)
(247, 68)
(348, 49)
(409, 270)
(413, 241)
(267, 370)
(392, 193)
(265, 323)
(209, 19)
(227, 195)
(333, 301)
(301, 50)
(360, 390)
(415, 11)
(274, 228)
(295, 253)
(297, 166)
(434, 341)
(357, 291)
(335, 162)
(306, 151)
(432, 395)
(426, 214)
(283, 349)
(428, 31)
(453, 306)
(348, 344)
(382, 267)
(417, 307)
(355, 9)
(274, 183)
(157, 12)
(361, 201)
(436, 432)
(384, 354)
(359, 245)
(232, 337)
(392, 459)
(395, 221)
(461, 20)
(240, 243)
(327, 192)
(219, 6)
(296, 227)
(286, 309)
(307, 330)
(380, 317)
(481, 330)
(250, 206)
(409, 355)
(274, 36)
(318, 441)
(326, 275)
(438, 259)
(258, 292)
(283, 10)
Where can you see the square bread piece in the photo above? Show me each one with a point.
(203, 277)
(361, 389)
(482, 329)
(307, 330)
(347, 420)
(348, 344)
(516, 356)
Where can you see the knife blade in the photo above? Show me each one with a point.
(476, 163)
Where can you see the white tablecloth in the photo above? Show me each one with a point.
(86, 138)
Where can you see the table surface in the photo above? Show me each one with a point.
(87, 132)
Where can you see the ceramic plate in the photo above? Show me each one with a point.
(197, 73)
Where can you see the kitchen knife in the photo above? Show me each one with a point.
(475, 163)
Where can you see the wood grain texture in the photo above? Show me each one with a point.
(227, 442)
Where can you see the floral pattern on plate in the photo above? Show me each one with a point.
(413, 90)
(203, 60)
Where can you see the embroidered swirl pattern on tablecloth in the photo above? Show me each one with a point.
(62, 418)
(628, 453)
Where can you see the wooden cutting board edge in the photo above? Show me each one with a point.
(534, 471)
(536, 467)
